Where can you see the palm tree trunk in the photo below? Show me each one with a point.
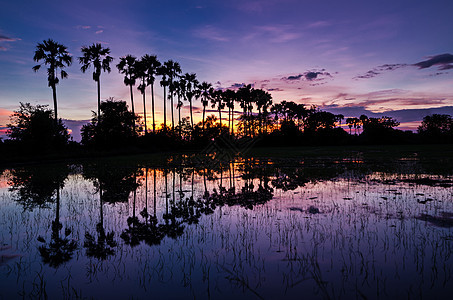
(132, 104)
(191, 116)
(261, 120)
(232, 121)
(99, 100)
(54, 94)
(204, 111)
(179, 120)
(220, 119)
(152, 104)
(172, 108)
(165, 111)
(144, 112)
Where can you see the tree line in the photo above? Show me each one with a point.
(250, 111)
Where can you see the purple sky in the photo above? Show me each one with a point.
(350, 57)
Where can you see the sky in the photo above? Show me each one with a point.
(354, 57)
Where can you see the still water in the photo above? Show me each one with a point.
(244, 229)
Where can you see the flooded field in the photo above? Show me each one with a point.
(255, 228)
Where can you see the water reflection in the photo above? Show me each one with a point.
(247, 228)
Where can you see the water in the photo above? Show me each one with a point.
(252, 228)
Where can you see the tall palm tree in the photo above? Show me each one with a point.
(245, 98)
(263, 100)
(204, 87)
(173, 70)
(98, 57)
(142, 75)
(229, 99)
(162, 71)
(217, 100)
(56, 57)
(152, 65)
(127, 66)
(191, 90)
(179, 91)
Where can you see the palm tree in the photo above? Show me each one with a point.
(142, 75)
(173, 70)
(100, 59)
(151, 64)
(244, 98)
(263, 100)
(229, 98)
(56, 57)
(179, 88)
(191, 90)
(217, 100)
(350, 123)
(162, 71)
(204, 87)
(127, 66)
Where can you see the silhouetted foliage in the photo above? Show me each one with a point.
(115, 129)
(56, 57)
(437, 128)
(98, 57)
(33, 128)
(380, 130)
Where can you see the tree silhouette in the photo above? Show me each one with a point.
(151, 65)
(163, 71)
(98, 57)
(205, 87)
(437, 127)
(56, 57)
(127, 66)
(141, 74)
(191, 90)
(179, 90)
(229, 96)
(34, 128)
(115, 129)
(217, 100)
(173, 71)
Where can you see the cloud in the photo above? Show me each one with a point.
(444, 61)
(209, 32)
(292, 77)
(402, 115)
(99, 31)
(318, 24)
(313, 75)
(274, 33)
(235, 86)
(379, 69)
(275, 90)
(4, 38)
(85, 27)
